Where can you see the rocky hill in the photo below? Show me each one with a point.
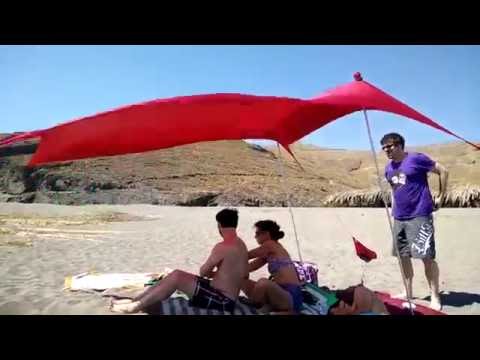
(207, 174)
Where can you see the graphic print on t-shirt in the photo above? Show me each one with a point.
(398, 179)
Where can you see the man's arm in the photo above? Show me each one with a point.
(442, 173)
(215, 258)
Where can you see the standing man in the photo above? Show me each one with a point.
(412, 208)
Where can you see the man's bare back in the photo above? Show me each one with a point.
(232, 267)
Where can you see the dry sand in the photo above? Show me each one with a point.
(37, 254)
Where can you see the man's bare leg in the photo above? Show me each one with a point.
(408, 269)
(136, 298)
(432, 274)
(120, 301)
(176, 280)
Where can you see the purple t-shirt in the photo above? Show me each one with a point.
(408, 179)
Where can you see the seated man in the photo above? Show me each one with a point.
(229, 257)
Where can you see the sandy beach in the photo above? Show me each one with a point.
(36, 256)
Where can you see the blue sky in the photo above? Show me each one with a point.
(41, 86)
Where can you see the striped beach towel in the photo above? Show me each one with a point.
(181, 306)
(178, 305)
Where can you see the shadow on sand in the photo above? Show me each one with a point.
(457, 299)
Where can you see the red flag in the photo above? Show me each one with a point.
(363, 252)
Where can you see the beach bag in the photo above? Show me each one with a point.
(307, 272)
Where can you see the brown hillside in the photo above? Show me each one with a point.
(215, 173)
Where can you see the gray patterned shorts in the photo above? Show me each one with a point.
(415, 237)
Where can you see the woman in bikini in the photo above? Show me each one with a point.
(282, 292)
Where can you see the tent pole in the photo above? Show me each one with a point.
(289, 205)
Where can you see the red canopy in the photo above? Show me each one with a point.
(183, 120)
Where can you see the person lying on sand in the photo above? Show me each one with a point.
(357, 300)
(230, 259)
(283, 292)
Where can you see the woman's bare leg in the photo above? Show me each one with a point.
(268, 292)
(248, 287)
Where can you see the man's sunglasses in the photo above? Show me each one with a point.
(389, 147)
